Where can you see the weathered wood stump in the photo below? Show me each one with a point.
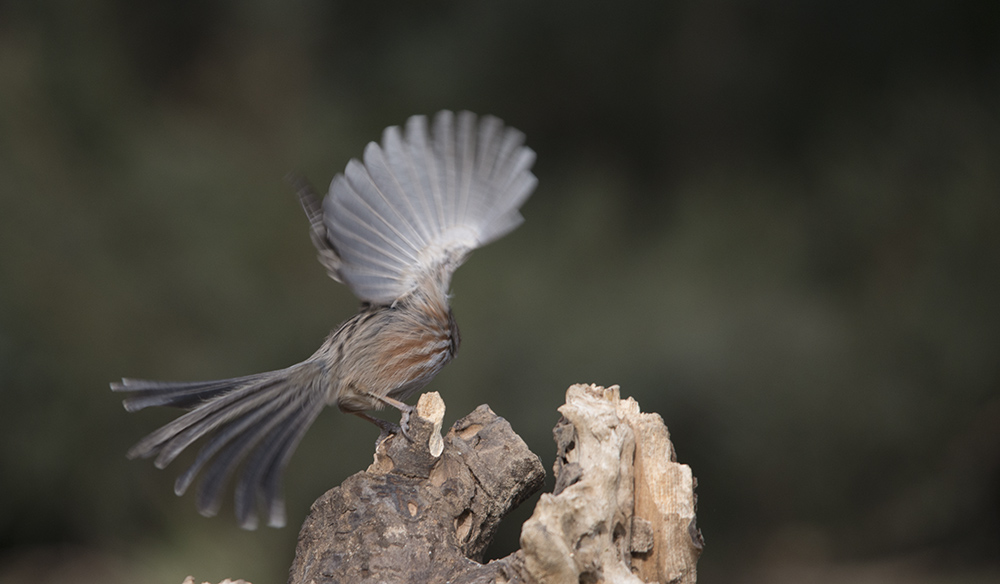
(623, 509)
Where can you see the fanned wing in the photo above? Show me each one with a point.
(423, 199)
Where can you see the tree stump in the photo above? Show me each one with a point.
(623, 509)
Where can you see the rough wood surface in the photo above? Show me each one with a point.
(623, 509)
(417, 517)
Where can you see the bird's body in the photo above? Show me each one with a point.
(393, 229)
(394, 350)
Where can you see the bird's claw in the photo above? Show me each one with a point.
(386, 427)
(404, 424)
(384, 433)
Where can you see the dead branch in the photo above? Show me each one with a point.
(623, 509)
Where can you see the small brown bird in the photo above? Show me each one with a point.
(393, 229)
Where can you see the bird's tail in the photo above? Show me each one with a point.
(254, 421)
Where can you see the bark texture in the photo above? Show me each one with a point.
(622, 509)
(425, 510)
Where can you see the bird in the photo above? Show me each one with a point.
(393, 228)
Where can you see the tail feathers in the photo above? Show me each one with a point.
(185, 394)
(423, 199)
(261, 479)
(168, 441)
(261, 416)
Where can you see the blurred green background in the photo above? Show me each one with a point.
(777, 224)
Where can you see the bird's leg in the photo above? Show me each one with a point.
(386, 428)
(404, 409)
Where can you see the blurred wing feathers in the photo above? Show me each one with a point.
(423, 199)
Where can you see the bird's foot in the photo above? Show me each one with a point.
(404, 419)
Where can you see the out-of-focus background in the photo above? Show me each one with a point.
(777, 224)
